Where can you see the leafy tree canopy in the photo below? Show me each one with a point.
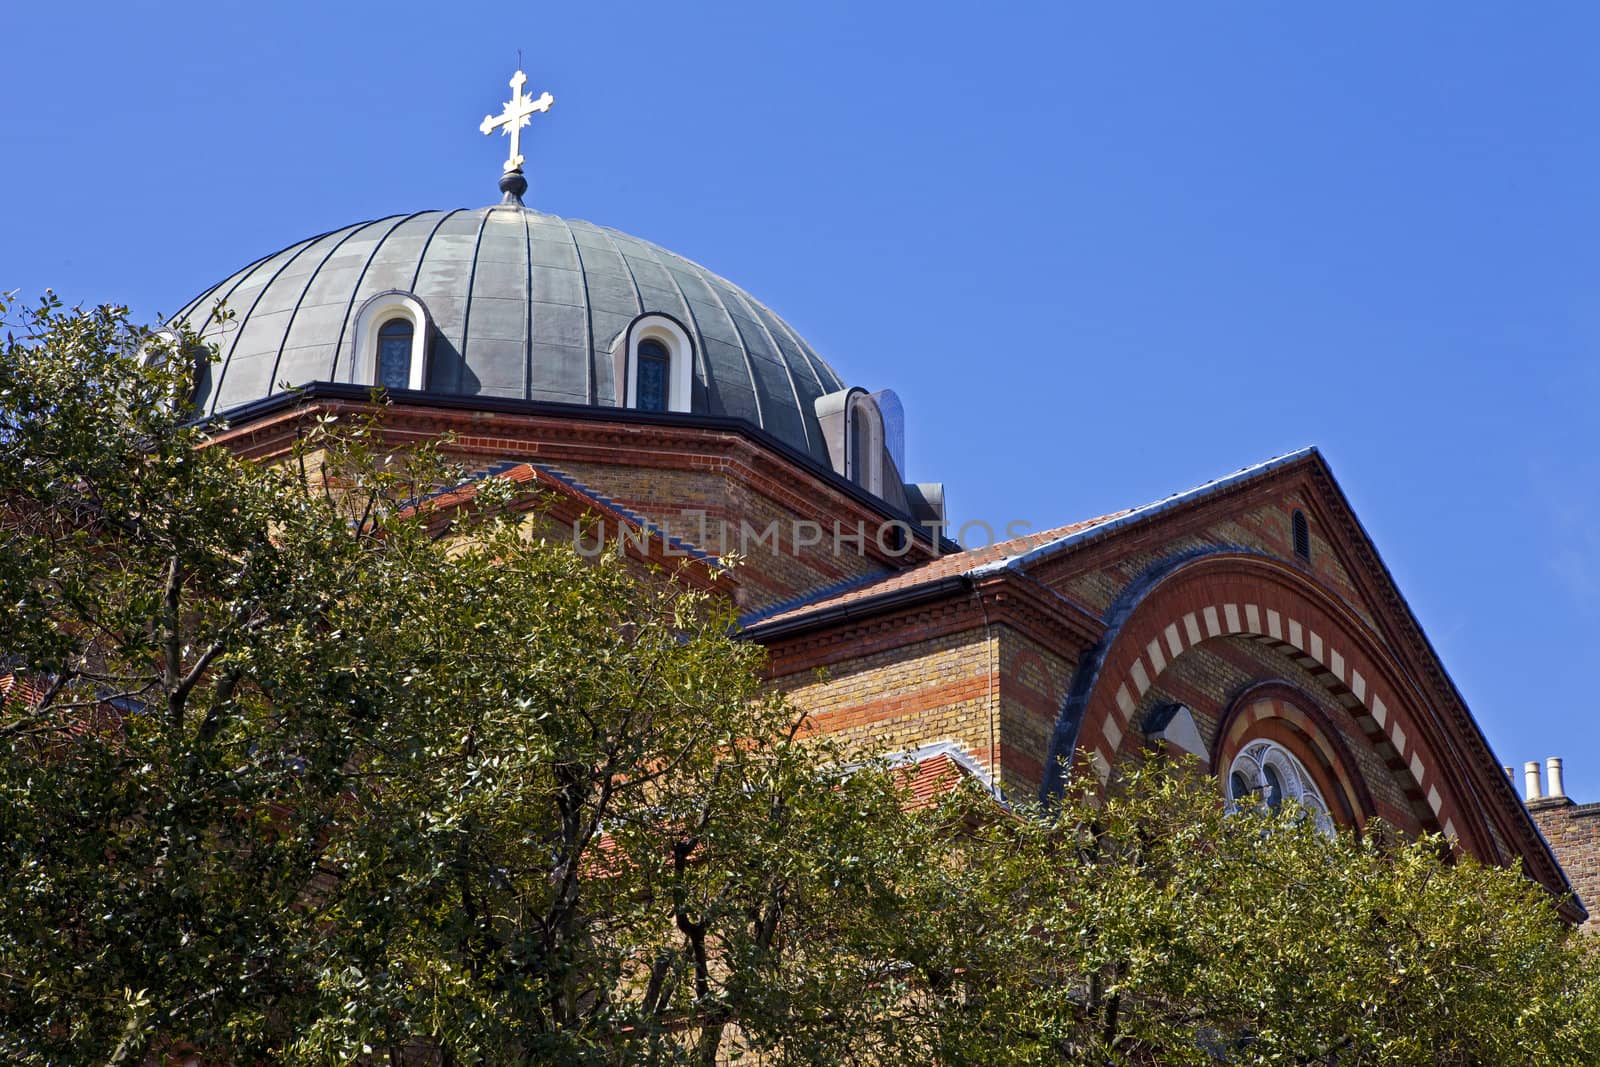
(296, 768)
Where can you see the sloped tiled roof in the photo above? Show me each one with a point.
(1015, 553)
(947, 566)
(15, 688)
(933, 771)
(586, 500)
(931, 780)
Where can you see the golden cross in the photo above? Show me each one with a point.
(517, 114)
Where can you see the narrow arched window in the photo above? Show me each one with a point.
(655, 375)
(1238, 786)
(1302, 536)
(860, 438)
(1273, 783)
(394, 354)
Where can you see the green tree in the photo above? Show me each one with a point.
(1145, 923)
(296, 780)
(305, 766)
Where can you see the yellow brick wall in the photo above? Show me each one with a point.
(922, 693)
(1034, 681)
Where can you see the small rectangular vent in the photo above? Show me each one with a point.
(1302, 536)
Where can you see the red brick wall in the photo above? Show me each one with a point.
(668, 475)
(1573, 831)
(1208, 679)
(685, 501)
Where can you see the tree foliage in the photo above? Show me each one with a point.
(301, 767)
(1146, 923)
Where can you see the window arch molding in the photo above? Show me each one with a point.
(863, 442)
(1280, 712)
(853, 432)
(671, 335)
(377, 312)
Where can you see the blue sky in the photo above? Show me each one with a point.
(1103, 252)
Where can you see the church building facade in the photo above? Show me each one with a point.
(671, 416)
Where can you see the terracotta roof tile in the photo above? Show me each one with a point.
(932, 571)
(931, 780)
(16, 689)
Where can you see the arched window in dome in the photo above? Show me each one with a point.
(391, 331)
(1266, 773)
(654, 375)
(165, 347)
(394, 353)
(654, 364)
(861, 433)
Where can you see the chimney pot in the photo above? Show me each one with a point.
(1553, 772)
(1530, 780)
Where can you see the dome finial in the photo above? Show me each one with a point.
(518, 112)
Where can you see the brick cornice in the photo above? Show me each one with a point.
(555, 434)
(1001, 598)
(828, 646)
(1052, 620)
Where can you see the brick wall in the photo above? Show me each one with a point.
(1573, 831)
(1033, 682)
(683, 478)
(688, 501)
(921, 693)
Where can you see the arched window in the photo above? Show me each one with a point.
(654, 364)
(863, 433)
(390, 345)
(655, 375)
(1266, 773)
(164, 346)
(864, 443)
(394, 353)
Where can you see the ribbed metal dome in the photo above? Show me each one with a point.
(523, 304)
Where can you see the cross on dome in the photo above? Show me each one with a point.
(518, 112)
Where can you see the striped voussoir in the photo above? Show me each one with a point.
(1334, 667)
(1257, 719)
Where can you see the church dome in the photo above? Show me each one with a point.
(508, 302)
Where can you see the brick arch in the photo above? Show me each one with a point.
(1280, 711)
(1235, 593)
